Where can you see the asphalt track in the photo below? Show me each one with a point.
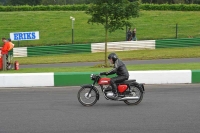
(130, 62)
(164, 109)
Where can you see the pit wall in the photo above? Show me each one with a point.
(80, 78)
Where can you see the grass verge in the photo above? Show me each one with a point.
(167, 53)
(143, 67)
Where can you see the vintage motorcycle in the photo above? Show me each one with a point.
(129, 91)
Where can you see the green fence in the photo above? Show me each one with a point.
(184, 42)
(58, 49)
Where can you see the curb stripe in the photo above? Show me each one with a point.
(72, 78)
(195, 76)
(81, 78)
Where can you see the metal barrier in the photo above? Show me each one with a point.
(123, 46)
(4, 62)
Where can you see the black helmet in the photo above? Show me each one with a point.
(112, 56)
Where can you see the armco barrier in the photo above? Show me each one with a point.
(172, 43)
(20, 52)
(123, 46)
(51, 50)
(58, 49)
(80, 78)
(100, 47)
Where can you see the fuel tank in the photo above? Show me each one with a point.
(104, 81)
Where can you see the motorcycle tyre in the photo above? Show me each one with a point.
(138, 101)
(89, 104)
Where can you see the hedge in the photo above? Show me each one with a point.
(171, 7)
(83, 7)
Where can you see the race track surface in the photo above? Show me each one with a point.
(164, 109)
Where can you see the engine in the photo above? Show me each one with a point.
(108, 91)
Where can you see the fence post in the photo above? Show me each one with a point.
(18, 43)
(126, 33)
(176, 31)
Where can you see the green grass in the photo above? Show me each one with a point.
(181, 66)
(167, 53)
(137, 55)
(55, 26)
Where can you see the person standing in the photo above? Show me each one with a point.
(134, 38)
(6, 46)
(4, 52)
(129, 34)
(11, 45)
(10, 54)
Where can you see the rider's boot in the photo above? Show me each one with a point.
(114, 90)
(115, 95)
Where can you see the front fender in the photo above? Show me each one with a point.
(93, 87)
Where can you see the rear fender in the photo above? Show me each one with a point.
(93, 87)
(141, 86)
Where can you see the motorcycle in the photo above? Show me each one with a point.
(129, 91)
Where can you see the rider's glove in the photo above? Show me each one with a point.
(103, 73)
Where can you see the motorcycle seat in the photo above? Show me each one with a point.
(128, 81)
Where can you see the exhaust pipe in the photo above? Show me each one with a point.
(129, 98)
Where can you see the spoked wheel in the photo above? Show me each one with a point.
(137, 93)
(87, 98)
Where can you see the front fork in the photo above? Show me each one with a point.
(92, 87)
(90, 91)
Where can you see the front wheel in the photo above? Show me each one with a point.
(87, 96)
(135, 92)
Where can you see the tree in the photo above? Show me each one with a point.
(112, 14)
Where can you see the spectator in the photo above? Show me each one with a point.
(129, 35)
(5, 47)
(10, 54)
(4, 52)
(134, 38)
(10, 44)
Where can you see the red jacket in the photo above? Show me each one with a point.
(5, 48)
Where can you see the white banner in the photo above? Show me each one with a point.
(19, 36)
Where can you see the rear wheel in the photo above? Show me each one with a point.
(135, 92)
(87, 98)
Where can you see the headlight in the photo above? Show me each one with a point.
(93, 77)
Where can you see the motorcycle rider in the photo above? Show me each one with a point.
(121, 71)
